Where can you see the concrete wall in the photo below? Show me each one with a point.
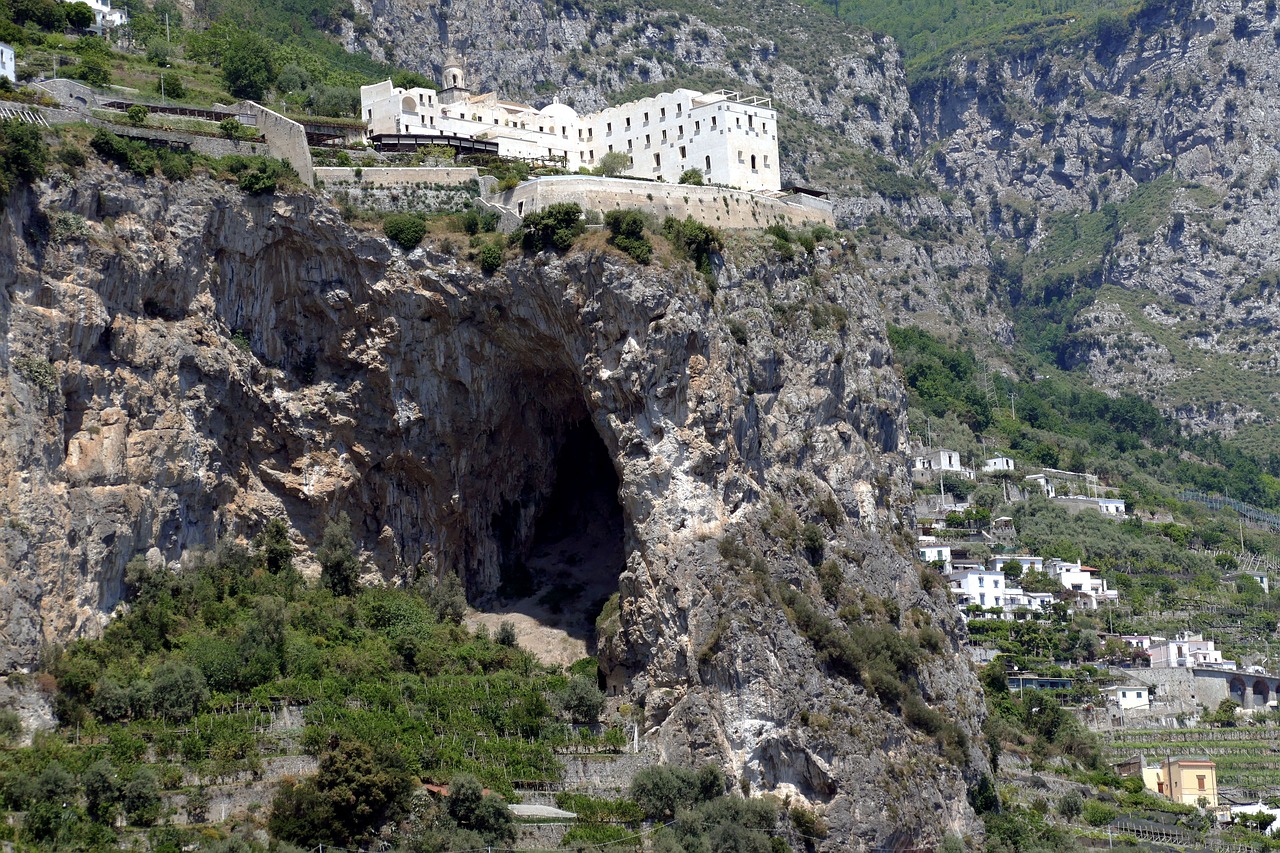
(286, 139)
(715, 206)
(391, 176)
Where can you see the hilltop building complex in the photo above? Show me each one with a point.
(731, 139)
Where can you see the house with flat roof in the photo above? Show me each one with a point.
(1128, 697)
(940, 461)
(1185, 650)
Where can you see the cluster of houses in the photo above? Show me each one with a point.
(991, 589)
(1071, 489)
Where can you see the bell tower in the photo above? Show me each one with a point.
(454, 79)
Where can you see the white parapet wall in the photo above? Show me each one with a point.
(716, 206)
(397, 176)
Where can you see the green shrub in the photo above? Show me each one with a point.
(94, 71)
(1098, 814)
(556, 227)
(693, 240)
(477, 222)
(490, 257)
(663, 790)
(264, 176)
(137, 114)
(582, 700)
(780, 232)
(23, 154)
(692, 177)
(10, 727)
(132, 154)
(626, 231)
(405, 229)
(613, 163)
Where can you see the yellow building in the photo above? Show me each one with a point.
(1184, 779)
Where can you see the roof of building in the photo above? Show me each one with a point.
(1190, 759)
(799, 190)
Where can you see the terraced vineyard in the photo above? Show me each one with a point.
(1248, 759)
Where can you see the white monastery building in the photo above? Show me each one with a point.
(732, 139)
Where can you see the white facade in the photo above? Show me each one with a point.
(1044, 483)
(981, 587)
(1028, 563)
(1111, 506)
(731, 139)
(996, 464)
(1082, 579)
(940, 461)
(8, 63)
(930, 553)
(104, 16)
(1185, 650)
(1129, 697)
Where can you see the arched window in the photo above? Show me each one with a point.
(708, 162)
(753, 162)
(455, 79)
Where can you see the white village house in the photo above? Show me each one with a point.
(8, 63)
(104, 16)
(997, 464)
(1187, 650)
(1128, 697)
(942, 460)
(732, 139)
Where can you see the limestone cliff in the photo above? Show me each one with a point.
(181, 362)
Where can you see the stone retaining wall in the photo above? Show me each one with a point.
(715, 206)
(395, 176)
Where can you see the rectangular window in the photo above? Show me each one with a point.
(646, 118)
(664, 136)
(1200, 782)
(657, 162)
(683, 155)
(697, 128)
(628, 122)
(662, 114)
(713, 122)
(608, 128)
(680, 131)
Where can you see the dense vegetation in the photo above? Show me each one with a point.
(929, 31)
(392, 689)
(1057, 420)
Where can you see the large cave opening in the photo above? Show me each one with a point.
(556, 584)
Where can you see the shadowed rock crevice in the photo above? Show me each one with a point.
(562, 576)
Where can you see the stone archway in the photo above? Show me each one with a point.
(1238, 692)
(1261, 693)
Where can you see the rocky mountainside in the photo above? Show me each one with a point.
(1118, 179)
(182, 363)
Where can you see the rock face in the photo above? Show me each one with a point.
(184, 362)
